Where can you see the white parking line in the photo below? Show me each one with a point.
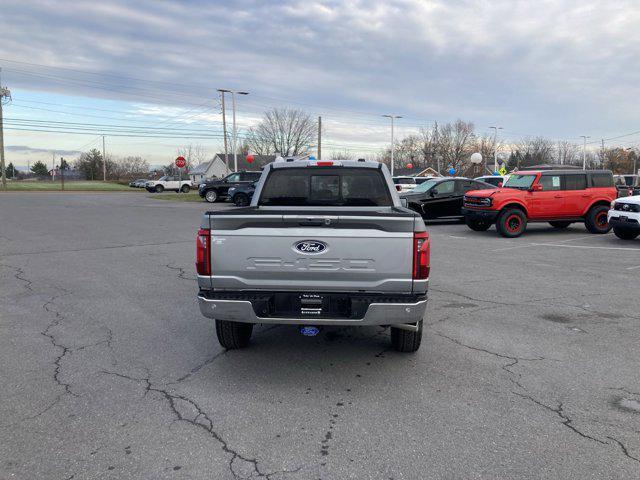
(454, 236)
(532, 244)
(583, 246)
(633, 268)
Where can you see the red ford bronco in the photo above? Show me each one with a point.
(560, 197)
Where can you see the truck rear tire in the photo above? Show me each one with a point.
(477, 225)
(233, 335)
(406, 341)
(560, 224)
(596, 219)
(625, 233)
(511, 223)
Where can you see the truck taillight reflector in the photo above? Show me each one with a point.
(421, 255)
(322, 163)
(203, 252)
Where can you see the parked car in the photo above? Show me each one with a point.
(420, 180)
(214, 190)
(169, 182)
(495, 180)
(624, 217)
(441, 196)
(139, 183)
(560, 197)
(241, 196)
(404, 184)
(323, 243)
(627, 185)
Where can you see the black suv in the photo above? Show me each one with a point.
(213, 190)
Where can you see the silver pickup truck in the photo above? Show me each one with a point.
(323, 243)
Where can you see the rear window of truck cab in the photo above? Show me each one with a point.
(338, 186)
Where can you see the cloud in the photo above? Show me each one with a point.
(26, 150)
(560, 68)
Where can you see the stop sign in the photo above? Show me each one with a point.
(180, 162)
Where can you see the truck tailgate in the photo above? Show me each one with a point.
(348, 253)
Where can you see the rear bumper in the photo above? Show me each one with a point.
(384, 310)
(483, 215)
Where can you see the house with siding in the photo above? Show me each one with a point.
(217, 168)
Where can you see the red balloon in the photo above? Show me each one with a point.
(409, 166)
(249, 158)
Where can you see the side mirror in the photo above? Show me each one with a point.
(536, 188)
(433, 192)
(499, 184)
(404, 202)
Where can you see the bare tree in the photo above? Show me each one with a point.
(567, 152)
(532, 151)
(129, 168)
(286, 131)
(454, 143)
(193, 154)
(344, 154)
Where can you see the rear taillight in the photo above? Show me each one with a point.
(321, 163)
(420, 255)
(398, 188)
(203, 252)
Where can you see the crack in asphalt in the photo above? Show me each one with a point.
(624, 449)
(506, 367)
(19, 275)
(64, 349)
(181, 273)
(203, 422)
(199, 367)
(566, 421)
(94, 249)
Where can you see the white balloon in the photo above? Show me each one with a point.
(476, 158)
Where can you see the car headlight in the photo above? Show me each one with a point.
(231, 190)
(613, 204)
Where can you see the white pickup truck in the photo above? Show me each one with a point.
(169, 182)
(323, 243)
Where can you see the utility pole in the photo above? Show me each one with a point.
(53, 166)
(4, 93)
(224, 129)
(495, 148)
(234, 139)
(584, 151)
(104, 162)
(319, 138)
(602, 154)
(62, 172)
(392, 117)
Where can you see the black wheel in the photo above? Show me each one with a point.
(406, 341)
(233, 335)
(477, 225)
(559, 224)
(596, 219)
(241, 200)
(159, 189)
(511, 223)
(211, 196)
(185, 189)
(625, 233)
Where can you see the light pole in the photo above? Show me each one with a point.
(392, 117)
(234, 140)
(584, 151)
(495, 148)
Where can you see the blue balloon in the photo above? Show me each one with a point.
(452, 171)
(496, 173)
(312, 158)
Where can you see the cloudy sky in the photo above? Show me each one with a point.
(555, 68)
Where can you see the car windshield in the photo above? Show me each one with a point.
(423, 187)
(522, 182)
(161, 179)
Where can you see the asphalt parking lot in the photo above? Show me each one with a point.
(528, 369)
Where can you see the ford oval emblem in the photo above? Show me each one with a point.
(310, 247)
